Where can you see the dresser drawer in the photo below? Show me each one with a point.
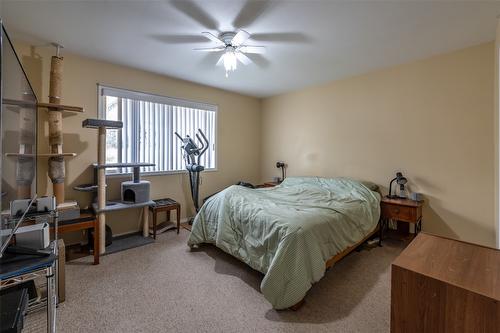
(400, 213)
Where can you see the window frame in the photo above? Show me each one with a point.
(150, 97)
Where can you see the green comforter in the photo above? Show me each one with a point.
(288, 232)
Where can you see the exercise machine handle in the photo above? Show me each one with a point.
(205, 146)
(180, 137)
(201, 148)
(202, 145)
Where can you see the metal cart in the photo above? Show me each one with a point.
(16, 269)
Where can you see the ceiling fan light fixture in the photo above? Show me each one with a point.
(234, 48)
(230, 60)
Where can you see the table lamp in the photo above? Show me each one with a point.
(401, 181)
(282, 166)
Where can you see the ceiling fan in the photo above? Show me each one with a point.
(234, 48)
(231, 43)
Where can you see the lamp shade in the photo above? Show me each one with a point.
(281, 165)
(400, 179)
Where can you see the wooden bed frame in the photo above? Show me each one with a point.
(330, 262)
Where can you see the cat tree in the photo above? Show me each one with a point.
(135, 193)
(26, 155)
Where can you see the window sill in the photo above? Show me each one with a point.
(154, 173)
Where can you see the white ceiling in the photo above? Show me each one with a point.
(308, 42)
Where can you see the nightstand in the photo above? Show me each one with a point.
(267, 184)
(401, 210)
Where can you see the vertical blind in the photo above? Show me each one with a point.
(149, 123)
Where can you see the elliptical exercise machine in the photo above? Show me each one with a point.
(192, 155)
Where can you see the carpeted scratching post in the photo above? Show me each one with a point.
(101, 126)
(57, 170)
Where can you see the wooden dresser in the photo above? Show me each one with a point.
(444, 285)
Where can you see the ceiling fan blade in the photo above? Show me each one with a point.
(213, 38)
(207, 60)
(282, 37)
(221, 61)
(210, 49)
(196, 13)
(240, 38)
(251, 11)
(252, 49)
(180, 39)
(243, 58)
(259, 60)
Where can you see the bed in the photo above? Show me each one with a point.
(292, 232)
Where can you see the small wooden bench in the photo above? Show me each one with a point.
(165, 205)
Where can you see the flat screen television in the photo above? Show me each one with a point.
(18, 140)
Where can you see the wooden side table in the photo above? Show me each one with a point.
(267, 184)
(402, 210)
(165, 205)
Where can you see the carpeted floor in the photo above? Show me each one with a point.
(164, 287)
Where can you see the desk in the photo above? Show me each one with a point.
(15, 272)
(87, 220)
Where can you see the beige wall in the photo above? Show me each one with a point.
(238, 129)
(431, 119)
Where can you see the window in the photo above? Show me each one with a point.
(149, 124)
